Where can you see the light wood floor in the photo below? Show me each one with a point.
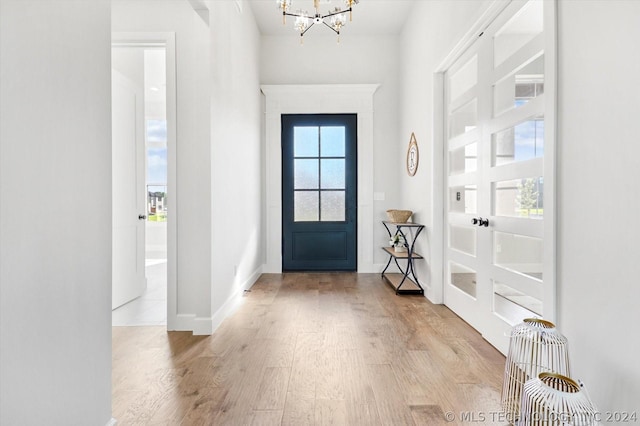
(311, 349)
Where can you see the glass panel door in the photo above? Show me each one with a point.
(499, 203)
(319, 154)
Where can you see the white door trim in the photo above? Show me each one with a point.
(168, 40)
(318, 99)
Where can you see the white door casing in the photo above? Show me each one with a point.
(168, 41)
(319, 99)
(128, 195)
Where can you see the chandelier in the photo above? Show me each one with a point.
(337, 17)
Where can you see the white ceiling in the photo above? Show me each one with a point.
(370, 17)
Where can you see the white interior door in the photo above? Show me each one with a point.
(499, 155)
(128, 190)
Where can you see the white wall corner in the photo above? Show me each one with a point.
(112, 422)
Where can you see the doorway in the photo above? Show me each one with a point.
(319, 192)
(499, 212)
(143, 179)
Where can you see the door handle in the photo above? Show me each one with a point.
(480, 221)
(142, 216)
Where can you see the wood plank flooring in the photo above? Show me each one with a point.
(311, 349)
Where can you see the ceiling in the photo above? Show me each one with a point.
(370, 17)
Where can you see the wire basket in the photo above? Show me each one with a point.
(535, 347)
(399, 216)
(553, 399)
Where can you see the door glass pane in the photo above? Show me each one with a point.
(156, 131)
(157, 164)
(332, 174)
(462, 277)
(463, 199)
(464, 79)
(305, 141)
(464, 119)
(463, 238)
(520, 143)
(305, 206)
(521, 29)
(519, 198)
(518, 253)
(464, 160)
(332, 141)
(332, 206)
(514, 305)
(157, 203)
(520, 87)
(305, 174)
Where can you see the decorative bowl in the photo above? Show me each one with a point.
(399, 216)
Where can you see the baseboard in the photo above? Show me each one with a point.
(271, 269)
(204, 326)
(233, 302)
(112, 422)
(183, 322)
(200, 326)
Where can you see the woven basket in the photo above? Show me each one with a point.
(399, 216)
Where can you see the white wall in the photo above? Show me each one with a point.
(193, 143)
(598, 203)
(55, 256)
(236, 178)
(431, 32)
(356, 60)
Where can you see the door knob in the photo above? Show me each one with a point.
(142, 216)
(480, 221)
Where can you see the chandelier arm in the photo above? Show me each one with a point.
(340, 12)
(302, 33)
(297, 15)
(331, 28)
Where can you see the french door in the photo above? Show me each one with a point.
(319, 192)
(499, 156)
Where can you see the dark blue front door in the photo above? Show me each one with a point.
(319, 192)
